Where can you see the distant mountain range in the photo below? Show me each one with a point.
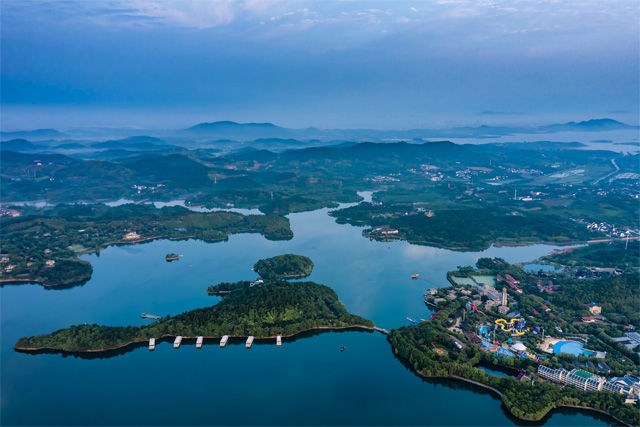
(33, 135)
(268, 135)
(239, 131)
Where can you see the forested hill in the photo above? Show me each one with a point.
(287, 266)
(262, 311)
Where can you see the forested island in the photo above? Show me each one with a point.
(286, 266)
(262, 311)
(42, 245)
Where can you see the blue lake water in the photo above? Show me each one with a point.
(307, 381)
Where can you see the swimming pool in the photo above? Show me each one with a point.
(571, 347)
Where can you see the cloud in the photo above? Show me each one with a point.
(188, 13)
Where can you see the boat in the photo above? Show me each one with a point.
(413, 321)
(279, 340)
(249, 341)
(224, 340)
(152, 344)
(415, 276)
(176, 343)
(199, 342)
(342, 349)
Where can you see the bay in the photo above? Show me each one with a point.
(307, 381)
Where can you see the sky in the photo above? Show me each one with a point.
(329, 64)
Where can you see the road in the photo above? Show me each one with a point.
(613, 161)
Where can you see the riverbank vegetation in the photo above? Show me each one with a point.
(262, 311)
(281, 267)
(62, 233)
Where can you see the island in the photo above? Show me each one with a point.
(283, 267)
(42, 245)
(172, 257)
(561, 340)
(278, 308)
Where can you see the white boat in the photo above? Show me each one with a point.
(176, 343)
(152, 344)
(199, 342)
(224, 340)
(278, 340)
(249, 342)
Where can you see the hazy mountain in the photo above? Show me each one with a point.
(13, 157)
(20, 145)
(589, 125)
(32, 135)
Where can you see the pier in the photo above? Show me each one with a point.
(223, 341)
(249, 341)
(176, 343)
(199, 342)
(152, 344)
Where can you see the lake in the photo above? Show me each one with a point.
(307, 381)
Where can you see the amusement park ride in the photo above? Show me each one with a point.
(514, 325)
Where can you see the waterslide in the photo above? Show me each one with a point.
(503, 323)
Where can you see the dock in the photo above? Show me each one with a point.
(152, 344)
(279, 340)
(199, 342)
(249, 341)
(150, 316)
(224, 340)
(176, 343)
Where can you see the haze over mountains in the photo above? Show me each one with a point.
(249, 131)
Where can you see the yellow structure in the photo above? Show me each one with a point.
(503, 323)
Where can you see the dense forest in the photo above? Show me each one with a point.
(620, 255)
(63, 232)
(262, 311)
(416, 344)
(468, 229)
(286, 266)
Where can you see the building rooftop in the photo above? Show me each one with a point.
(582, 374)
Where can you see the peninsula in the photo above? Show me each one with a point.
(43, 244)
(278, 308)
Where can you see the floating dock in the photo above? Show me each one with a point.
(279, 340)
(224, 340)
(152, 344)
(249, 342)
(176, 343)
(150, 316)
(199, 342)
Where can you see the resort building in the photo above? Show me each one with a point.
(131, 236)
(595, 309)
(629, 384)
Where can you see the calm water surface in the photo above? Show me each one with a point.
(307, 381)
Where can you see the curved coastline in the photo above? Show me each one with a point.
(499, 393)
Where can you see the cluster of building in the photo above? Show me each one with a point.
(381, 178)
(607, 228)
(10, 212)
(631, 340)
(629, 384)
(513, 283)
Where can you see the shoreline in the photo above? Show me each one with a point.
(499, 393)
(132, 343)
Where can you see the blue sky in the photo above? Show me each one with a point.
(145, 63)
